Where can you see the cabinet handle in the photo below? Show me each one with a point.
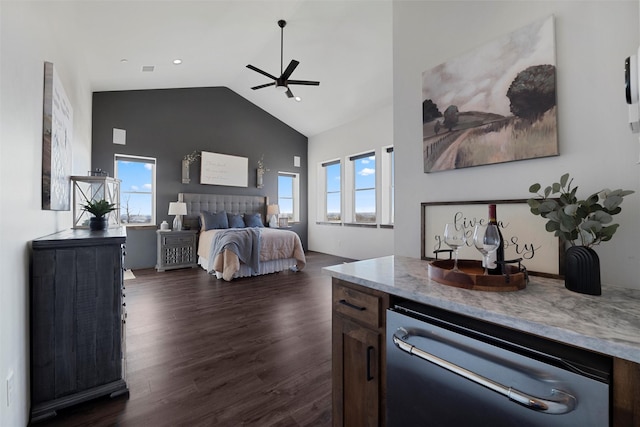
(369, 350)
(348, 304)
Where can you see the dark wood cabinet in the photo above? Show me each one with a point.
(77, 319)
(359, 360)
(358, 355)
(626, 393)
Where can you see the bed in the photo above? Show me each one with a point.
(244, 247)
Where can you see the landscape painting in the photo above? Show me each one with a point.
(495, 104)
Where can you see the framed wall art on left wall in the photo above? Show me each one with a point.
(57, 131)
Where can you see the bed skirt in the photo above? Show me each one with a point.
(266, 267)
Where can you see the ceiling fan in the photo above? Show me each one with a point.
(282, 83)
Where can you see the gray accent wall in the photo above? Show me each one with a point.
(168, 124)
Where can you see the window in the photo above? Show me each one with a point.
(364, 194)
(289, 195)
(333, 205)
(387, 185)
(392, 185)
(137, 189)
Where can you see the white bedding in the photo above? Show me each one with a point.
(279, 250)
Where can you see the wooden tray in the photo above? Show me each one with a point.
(471, 276)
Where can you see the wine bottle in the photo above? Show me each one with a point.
(497, 256)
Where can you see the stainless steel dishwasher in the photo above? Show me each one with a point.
(444, 370)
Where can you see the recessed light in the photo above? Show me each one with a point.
(124, 60)
(297, 98)
(177, 61)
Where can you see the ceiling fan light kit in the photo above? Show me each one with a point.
(282, 83)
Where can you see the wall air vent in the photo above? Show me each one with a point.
(148, 68)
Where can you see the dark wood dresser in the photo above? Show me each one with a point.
(77, 319)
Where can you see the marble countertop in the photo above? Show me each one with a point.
(609, 323)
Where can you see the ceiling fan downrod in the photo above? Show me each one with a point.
(282, 23)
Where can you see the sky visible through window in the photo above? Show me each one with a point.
(135, 190)
(285, 195)
(333, 192)
(365, 170)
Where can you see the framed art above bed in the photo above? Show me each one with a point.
(223, 169)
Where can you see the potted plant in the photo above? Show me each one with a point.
(580, 224)
(98, 208)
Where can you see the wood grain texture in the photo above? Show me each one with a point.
(205, 352)
(76, 298)
(358, 355)
(471, 276)
(626, 393)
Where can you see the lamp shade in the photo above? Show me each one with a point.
(273, 210)
(177, 208)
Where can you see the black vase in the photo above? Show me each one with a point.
(98, 224)
(582, 270)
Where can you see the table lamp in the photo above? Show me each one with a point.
(272, 213)
(178, 209)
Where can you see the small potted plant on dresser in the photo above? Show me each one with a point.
(99, 209)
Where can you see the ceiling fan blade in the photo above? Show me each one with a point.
(292, 66)
(264, 73)
(289, 93)
(264, 85)
(303, 82)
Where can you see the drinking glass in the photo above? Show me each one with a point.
(454, 237)
(486, 239)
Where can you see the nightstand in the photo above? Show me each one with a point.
(176, 249)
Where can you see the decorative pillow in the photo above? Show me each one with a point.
(235, 220)
(253, 220)
(215, 220)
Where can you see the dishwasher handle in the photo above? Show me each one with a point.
(563, 404)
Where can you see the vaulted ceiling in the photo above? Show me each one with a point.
(345, 44)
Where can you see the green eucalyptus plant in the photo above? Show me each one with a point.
(99, 208)
(578, 222)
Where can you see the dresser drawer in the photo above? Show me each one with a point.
(358, 305)
(173, 240)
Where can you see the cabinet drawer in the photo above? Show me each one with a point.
(357, 305)
(170, 240)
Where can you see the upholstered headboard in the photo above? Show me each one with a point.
(235, 204)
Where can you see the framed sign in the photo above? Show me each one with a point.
(524, 233)
(223, 169)
(57, 127)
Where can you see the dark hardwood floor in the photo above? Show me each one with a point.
(205, 352)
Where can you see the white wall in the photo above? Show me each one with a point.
(593, 38)
(369, 133)
(28, 38)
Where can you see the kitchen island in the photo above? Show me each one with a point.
(608, 324)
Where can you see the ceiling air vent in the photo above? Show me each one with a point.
(148, 68)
